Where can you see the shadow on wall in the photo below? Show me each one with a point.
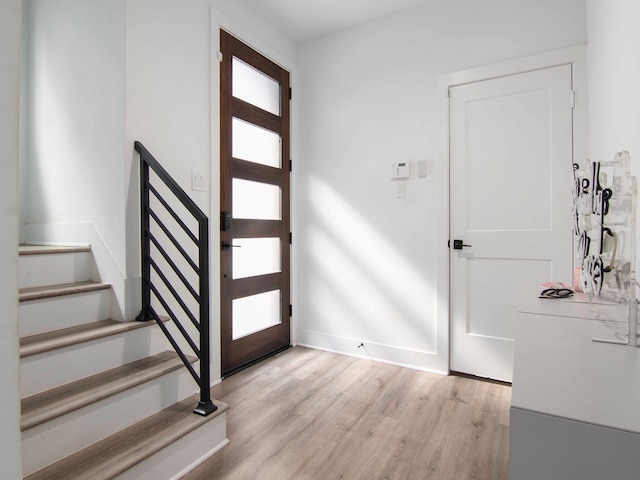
(359, 283)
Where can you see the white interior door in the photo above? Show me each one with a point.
(511, 164)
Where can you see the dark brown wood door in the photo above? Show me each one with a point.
(254, 204)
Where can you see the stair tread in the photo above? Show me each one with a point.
(50, 404)
(51, 249)
(117, 453)
(45, 342)
(49, 291)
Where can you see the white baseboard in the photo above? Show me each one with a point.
(403, 357)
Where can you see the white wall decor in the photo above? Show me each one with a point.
(604, 200)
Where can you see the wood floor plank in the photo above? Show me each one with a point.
(307, 414)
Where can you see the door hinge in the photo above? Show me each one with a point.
(290, 93)
(290, 238)
(220, 57)
(290, 165)
(290, 310)
(573, 99)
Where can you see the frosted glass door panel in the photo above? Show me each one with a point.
(255, 87)
(256, 256)
(255, 200)
(255, 144)
(255, 313)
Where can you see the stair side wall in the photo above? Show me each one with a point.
(10, 21)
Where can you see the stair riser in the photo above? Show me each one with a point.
(38, 316)
(50, 441)
(58, 367)
(182, 456)
(53, 269)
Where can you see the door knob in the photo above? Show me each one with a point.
(458, 244)
(227, 245)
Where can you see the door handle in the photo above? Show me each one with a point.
(458, 244)
(227, 245)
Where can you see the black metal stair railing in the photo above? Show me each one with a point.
(199, 320)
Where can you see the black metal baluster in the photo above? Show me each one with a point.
(205, 405)
(145, 250)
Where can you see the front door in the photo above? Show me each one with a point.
(254, 203)
(510, 207)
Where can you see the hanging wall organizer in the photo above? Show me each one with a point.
(604, 207)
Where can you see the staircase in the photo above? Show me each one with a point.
(101, 399)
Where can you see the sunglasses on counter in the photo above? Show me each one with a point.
(556, 293)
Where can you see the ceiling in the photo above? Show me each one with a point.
(302, 20)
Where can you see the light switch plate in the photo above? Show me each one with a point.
(198, 181)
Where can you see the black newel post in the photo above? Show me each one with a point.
(205, 406)
(145, 244)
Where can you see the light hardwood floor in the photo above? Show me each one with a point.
(306, 415)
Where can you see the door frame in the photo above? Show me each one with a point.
(574, 56)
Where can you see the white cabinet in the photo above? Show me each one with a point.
(575, 410)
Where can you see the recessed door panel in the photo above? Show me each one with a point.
(490, 301)
(492, 202)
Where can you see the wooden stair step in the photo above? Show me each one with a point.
(50, 291)
(114, 455)
(48, 341)
(51, 249)
(45, 406)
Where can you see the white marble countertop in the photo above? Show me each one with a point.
(577, 306)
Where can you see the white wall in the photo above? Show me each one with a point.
(10, 21)
(614, 80)
(172, 91)
(366, 99)
(73, 137)
(614, 76)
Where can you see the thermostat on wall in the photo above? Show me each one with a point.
(400, 170)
